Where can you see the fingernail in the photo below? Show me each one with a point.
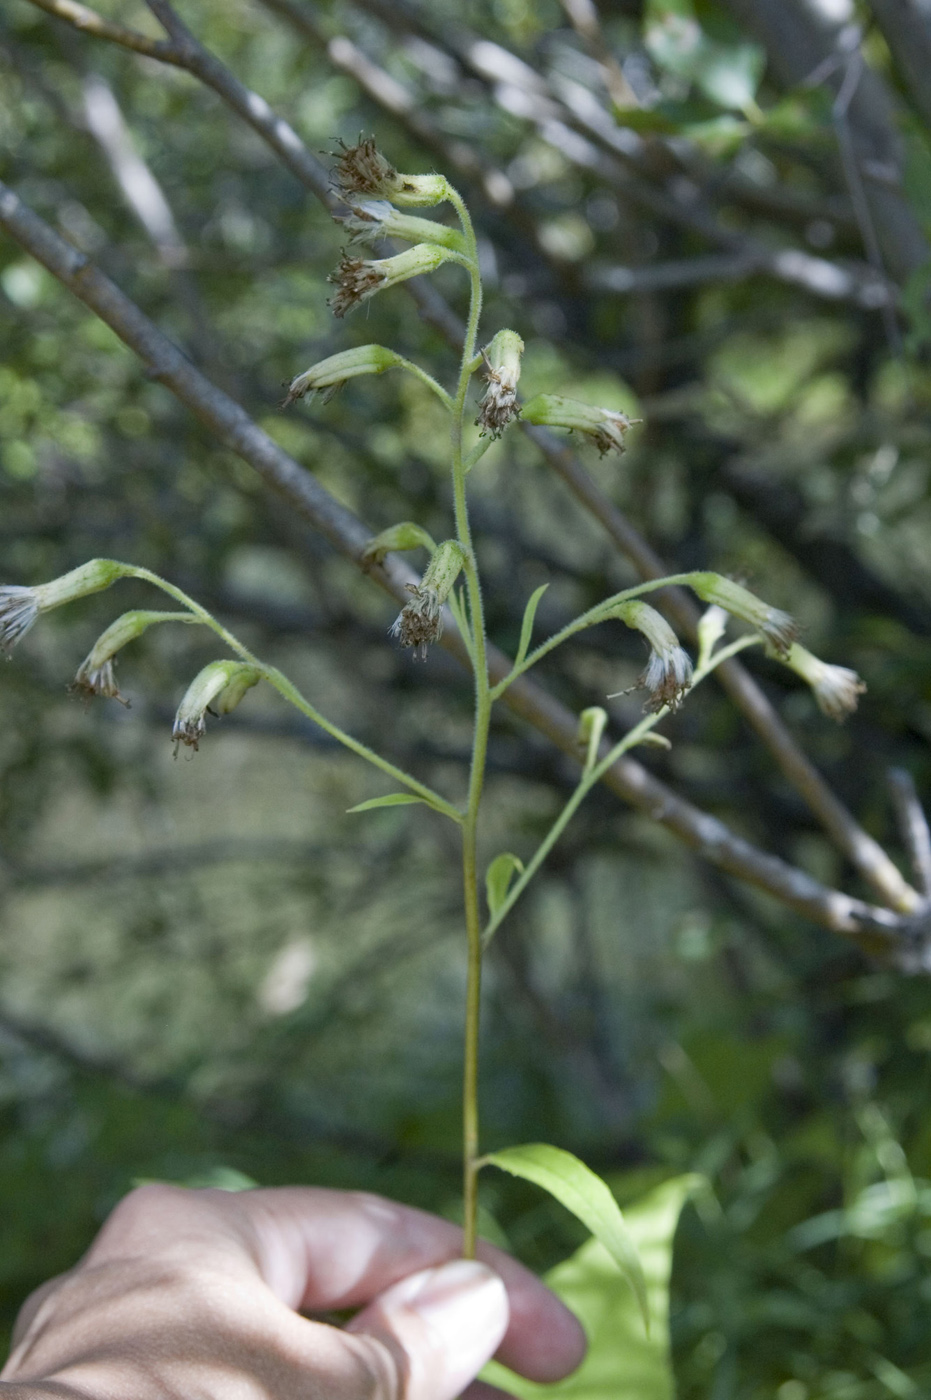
(465, 1304)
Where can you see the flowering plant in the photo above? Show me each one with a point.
(449, 594)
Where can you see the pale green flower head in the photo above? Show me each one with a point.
(20, 607)
(216, 690)
(777, 628)
(329, 375)
(836, 688)
(357, 279)
(502, 370)
(420, 621)
(95, 674)
(668, 675)
(373, 219)
(605, 427)
(363, 170)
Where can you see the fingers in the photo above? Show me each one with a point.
(336, 1249)
(440, 1326)
(318, 1249)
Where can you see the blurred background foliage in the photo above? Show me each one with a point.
(208, 962)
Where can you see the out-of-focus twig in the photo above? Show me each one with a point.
(913, 825)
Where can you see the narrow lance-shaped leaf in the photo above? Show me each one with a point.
(391, 799)
(580, 1190)
(498, 878)
(526, 631)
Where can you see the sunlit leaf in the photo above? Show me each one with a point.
(580, 1190)
(622, 1362)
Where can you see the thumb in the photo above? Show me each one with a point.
(439, 1328)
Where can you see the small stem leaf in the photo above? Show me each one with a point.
(398, 799)
(526, 630)
(578, 1188)
(498, 877)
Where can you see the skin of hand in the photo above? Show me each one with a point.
(201, 1295)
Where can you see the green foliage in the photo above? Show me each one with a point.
(623, 1362)
(578, 1188)
(498, 877)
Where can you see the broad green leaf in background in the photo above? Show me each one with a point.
(727, 73)
(220, 1178)
(578, 1188)
(498, 877)
(526, 630)
(622, 1363)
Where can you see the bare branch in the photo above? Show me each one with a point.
(877, 929)
(89, 22)
(906, 27)
(140, 188)
(913, 824)
(802, 39)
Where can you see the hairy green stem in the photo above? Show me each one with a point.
(470, 1115)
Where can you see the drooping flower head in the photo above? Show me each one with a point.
(329, 375)
(372, 219)
(20, 607)
(357, 279)
(363, 170)
(836, 688)
(215, 690)
(668, 674)
(502, 371)
(95, 675)
(605, 427)
(420, 621)
(777, 628)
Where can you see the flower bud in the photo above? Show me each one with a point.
(711, 628)
(420, 621)
(668, 675)
(215, 690)
(20, 607)
(835, 688)
(356, 279)
(604, 426)
(588, 735)
(363, 170)
(776, 627)
(405, 535)
(95, 674)
(373, 219)
(331, 374)
(502, 370)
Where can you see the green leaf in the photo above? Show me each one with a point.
(578, 1188)
(391, 799)
(526, 630)
(622, 1363)
(498, 877)
(727, 73)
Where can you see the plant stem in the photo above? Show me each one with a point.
(470, 1114)
(589, 778)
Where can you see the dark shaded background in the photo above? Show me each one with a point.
(207, 963)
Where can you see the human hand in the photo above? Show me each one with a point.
(196, 1294)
